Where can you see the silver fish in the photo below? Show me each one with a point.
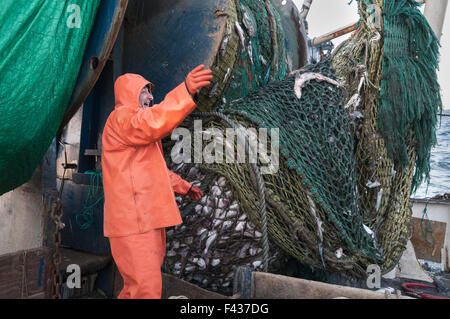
(201, 231)
(171, 253)
(211, 238)
(302, 78)
(231, 213)
(226, 75)
(378, 203)
(193, 171)
(215, 262)
(240, 33)
(215, 191)
(189, 268)
(207, 210)
(248, 23)
(201, 263)
(223, 46)
(226, 284)
(371, 184)
(219, 213)
(213, 90)
(254, 251)
(263, 61)
(240, 226)
(250, 51)
(242, 217)
(339, 252)
(227, 224)
(234, 205)
(242, 252)
(221, 181)
(211, 202)
(223, 203)
(217, 222)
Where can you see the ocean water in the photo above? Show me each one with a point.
(440, 162)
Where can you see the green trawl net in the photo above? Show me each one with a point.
(410, 95)
(315, 187)
(263, 58)
(41, 49)
(313, 210)
(252, 53)
(389, 71)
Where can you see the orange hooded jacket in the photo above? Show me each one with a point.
(138, 186)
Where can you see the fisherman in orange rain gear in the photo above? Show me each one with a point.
(138, 186)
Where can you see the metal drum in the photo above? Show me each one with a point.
(164, 40)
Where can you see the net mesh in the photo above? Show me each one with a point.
(338, 199)
(313, 211)
(251, 54)
(392, 116)
(216, 235)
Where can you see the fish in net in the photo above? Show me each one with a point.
(313, 211)
(389, 73)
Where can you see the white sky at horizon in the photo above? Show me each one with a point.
(328, 15)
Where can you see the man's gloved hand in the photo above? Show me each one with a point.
(198, 78)
(195, 193)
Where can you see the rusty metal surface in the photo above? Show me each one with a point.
(431, 250)
(100, 44)
(334, 34)
(23, 273)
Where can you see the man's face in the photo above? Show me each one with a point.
(145, 97)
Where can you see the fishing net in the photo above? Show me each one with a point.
(313, 209)
(252, 53)
(338, 198)
(389, 72)
(216, 235)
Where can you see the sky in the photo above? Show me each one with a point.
(328, 15)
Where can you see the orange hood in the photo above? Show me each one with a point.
(127, 89)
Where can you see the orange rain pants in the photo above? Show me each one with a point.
(139, 259)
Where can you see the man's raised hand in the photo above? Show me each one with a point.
(198, 78)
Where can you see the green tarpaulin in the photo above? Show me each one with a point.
(41, 48)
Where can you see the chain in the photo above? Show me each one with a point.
(56, 213)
